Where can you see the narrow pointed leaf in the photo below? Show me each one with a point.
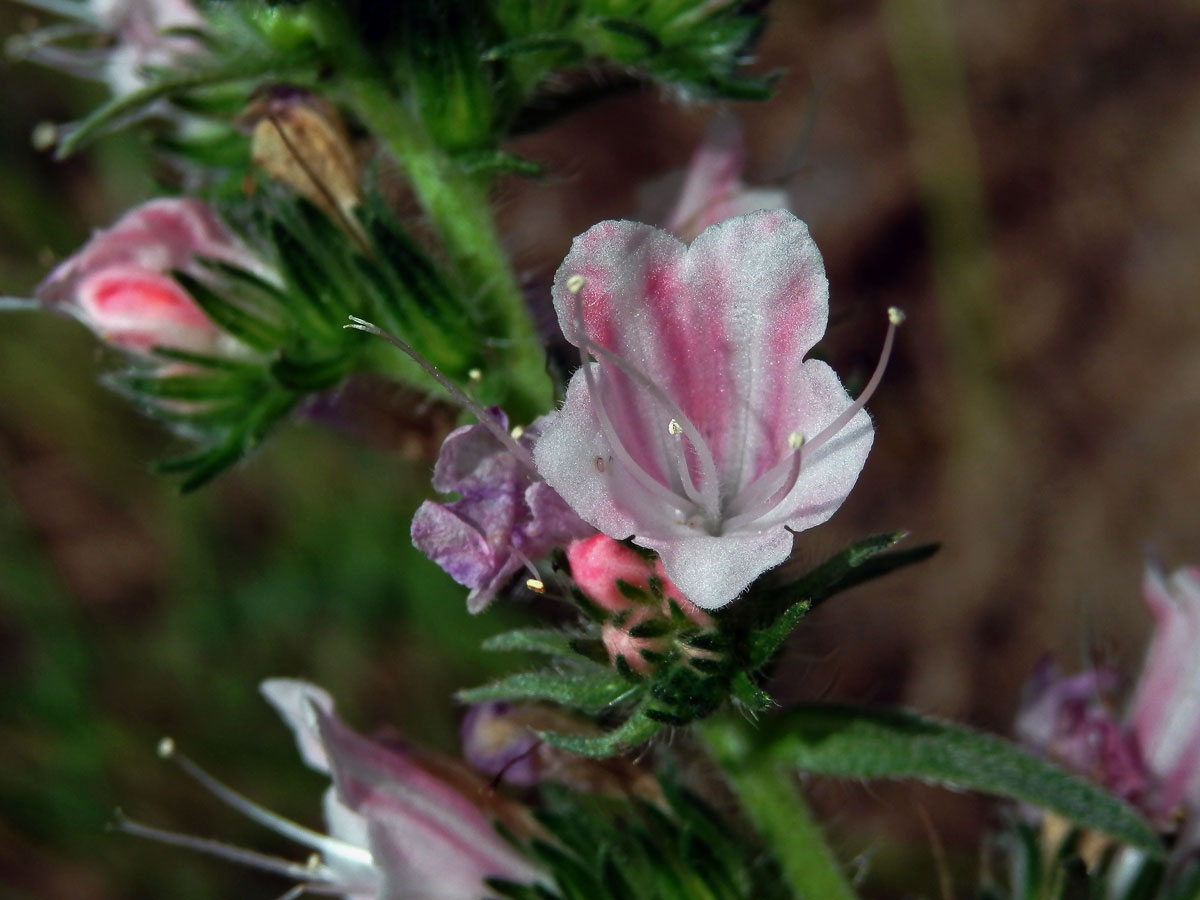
(856, 742)
(533, 640)
(593, 693)
(635, 730)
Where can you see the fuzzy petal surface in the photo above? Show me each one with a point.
(700, 345)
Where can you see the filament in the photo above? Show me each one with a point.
(263, 816)
(485, 418)
(708, 467)
(220, 849)
(762, 495)
(644, 478)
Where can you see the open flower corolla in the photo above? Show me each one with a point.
(697, 427)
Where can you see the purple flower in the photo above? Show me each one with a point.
(1070, 720)
(504, 517)
(700, 430)
(414, 818)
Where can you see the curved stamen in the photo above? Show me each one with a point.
(708, 467)
(485, 419)
(767, 491)
(895, 319)
(762, 495)
(330, 846)
(624, 457)
(684, 471)
(210, 847)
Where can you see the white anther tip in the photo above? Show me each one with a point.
(517, 431)
(166, 748)
(796, 440)
(536, 585)
(313, 862)
(896, 315)
(475, 375)
(575, 283)
(673, 427)
(44, 136)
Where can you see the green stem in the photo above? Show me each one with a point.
(772, 800)
(457, 202)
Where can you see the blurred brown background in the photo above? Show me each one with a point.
(1023, 178)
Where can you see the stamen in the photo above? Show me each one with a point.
(44, 136)
(895, 319)
(330, 846)
(534, 583)
(769, 489)
(475, 375)
(516, 431)
(644, 478)
(673, 427)
(707, 499)
(210, 847)
(485, 419)
(575, 283)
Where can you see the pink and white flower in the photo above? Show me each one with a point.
(119, 283)
(405, 823)
(1164, 716)
(700, 430)
(1150, 756)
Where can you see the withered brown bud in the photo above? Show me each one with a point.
(299, 139)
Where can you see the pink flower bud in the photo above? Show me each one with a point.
(119, 285)
(598, 563)
(137, 309)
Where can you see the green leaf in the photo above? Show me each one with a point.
(856, 742)
(633, 731)
(119, 108)
(533, 640)
(590, 693)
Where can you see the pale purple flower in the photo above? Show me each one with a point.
(700, 429)
(119, 282)
(1071, 720)
(415, 819)
(712, 187)
(1150, 755)
(505, 515)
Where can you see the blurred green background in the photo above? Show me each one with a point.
(1023, 178)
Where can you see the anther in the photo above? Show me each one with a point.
(896, 315)
(575, 283)
(796, 440)
(536, 585)
(166, 748)
(673, 427)
(44, 136)
(517, 431)
(475, 375)
(314, 862)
